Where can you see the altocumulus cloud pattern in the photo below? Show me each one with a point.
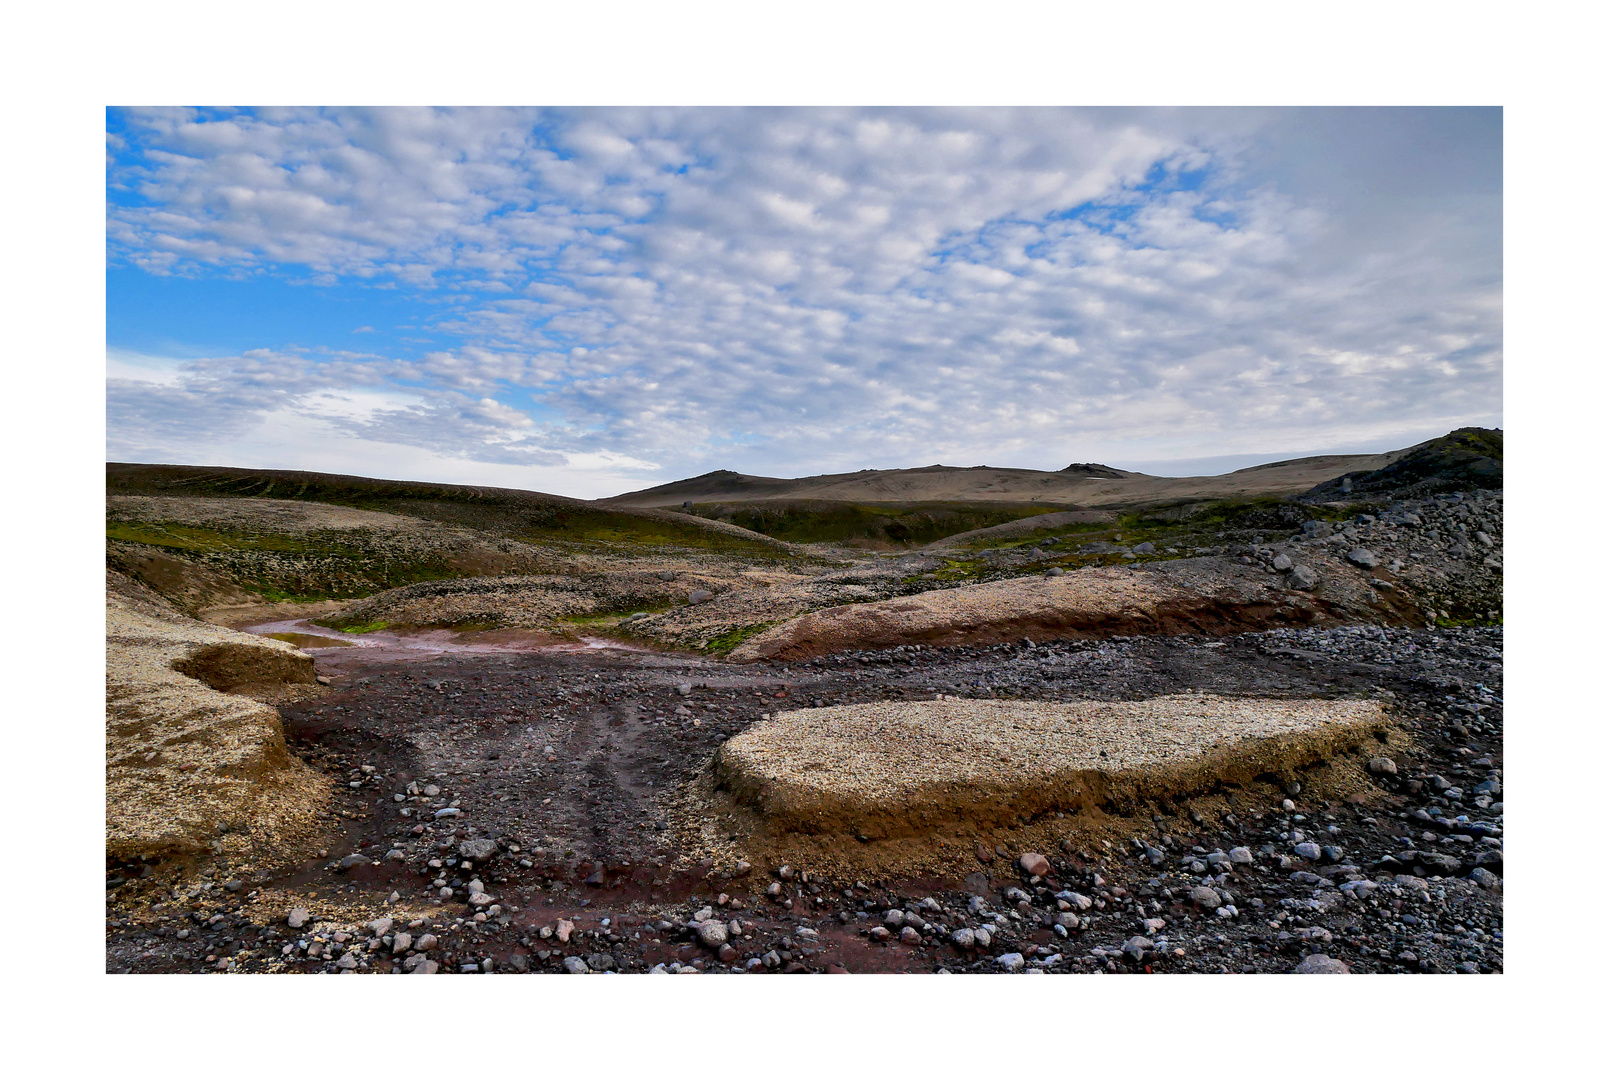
(585, 300)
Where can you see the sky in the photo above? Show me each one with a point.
(588, 301)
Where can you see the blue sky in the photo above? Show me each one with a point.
(587, 301)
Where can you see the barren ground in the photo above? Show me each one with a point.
(577, 763)
(521, 712)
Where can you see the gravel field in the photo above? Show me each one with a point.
(530, 812)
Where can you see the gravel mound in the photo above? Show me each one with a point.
(189, 764)
(904, 769)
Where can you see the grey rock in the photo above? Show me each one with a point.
(1319, 964)
(1362, 557)
(1136, 947)
(712, 933)
(480, 850)
(381, 927)
(1205, 897)
(699, 596)
(1078, 900)
(401, 943)
(1304, 577)
(962, 938)
(1241, 856)
(1146, 548)
(1382, 766)
(1282, 562)
(1011, 961)
(1309, 851)
(297, 918)
(601, 962)
(574, 965)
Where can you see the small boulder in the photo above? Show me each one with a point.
(712, 933)
(480, 850)
(1319, 964)
(1034, 864)
(1362, 557)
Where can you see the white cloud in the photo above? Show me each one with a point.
(803, 290)
(125, 364)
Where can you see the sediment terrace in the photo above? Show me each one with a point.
(938, 767)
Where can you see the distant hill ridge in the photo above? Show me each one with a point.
(498, 509)
(1079, 485)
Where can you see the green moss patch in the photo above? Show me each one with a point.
(721, 644)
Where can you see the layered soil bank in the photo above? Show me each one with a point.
(1090, 603)
(191, 763)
